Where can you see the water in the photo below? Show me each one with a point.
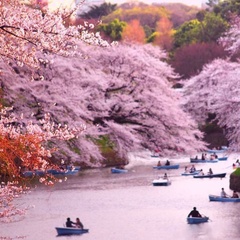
(128, 207)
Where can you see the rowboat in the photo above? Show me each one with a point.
(161, 182)
(62, 172)
(216, 175)
(176, 166)
(222, 158)
(118, 170)
(222, 150)
(34, 173)
(215, 198)
(70, 231)
(196, 220)
(194, 160)
(191, 173)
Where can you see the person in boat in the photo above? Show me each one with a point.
(203, 156)
(165, 176)
(212, 157)
(159, 164)
(235, 195)
(167, 163)
(192, 169)
(186, 169)
(194, 213)
(120, 167)
(69, 223)
(79, 223)
(237, 162)
(201, 172)
(223, 193)
(196, 158)
(210, 171)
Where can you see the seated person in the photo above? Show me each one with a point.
(69, 223)
(167, 163)
(194, 213)
(159, 164)
(210, 171)
(235, 195)
(223, 193)
(165, 176)
(192, 169)
(79, 223)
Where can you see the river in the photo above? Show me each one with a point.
(127, 206)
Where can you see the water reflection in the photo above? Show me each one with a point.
(127, 206)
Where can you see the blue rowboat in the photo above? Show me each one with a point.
(215, 198)
(176, 166)
(118, 170)
(193, 160)
(216, 175)
(222, 158)
(62, 172)
(73, 168)
(216, 150)
(196, 220)
(161, 182)
(70, 231)
(34, 173)
(191, 173)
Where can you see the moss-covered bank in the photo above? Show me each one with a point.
(235, 180)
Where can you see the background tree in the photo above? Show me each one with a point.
(189, 60)
(97, 12)
(226, 9)
(133, 32)
(112, 30)
(164, 36)
(180, 13)
(207, 28)
(212, 27)
(187, 33)
(147, 15)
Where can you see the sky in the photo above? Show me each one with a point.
(187, 2)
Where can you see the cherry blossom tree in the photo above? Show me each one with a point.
(122, 92)
(216, 89)
(26, 31)
(231, 40)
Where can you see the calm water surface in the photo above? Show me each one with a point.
(128, 207)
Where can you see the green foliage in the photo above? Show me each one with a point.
(104, 143)
(147, 15)
(113, 30)
(212, 27)
(207, 28)
(236, 172)
(187, 33)
(227, 8)
(148, 31)
(152, 37)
